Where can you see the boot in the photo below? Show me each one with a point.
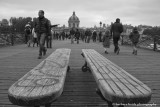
(44, 51)
(118, 51)
(39, 57)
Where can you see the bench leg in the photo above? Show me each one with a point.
(100, 94)
(110, 104)
(85, 67)
(82, 55)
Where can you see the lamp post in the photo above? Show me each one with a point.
(100, 24)
(100, 34)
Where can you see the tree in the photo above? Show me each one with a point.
(13, 20)
(5, 22)
(18, 24)
(152, 31)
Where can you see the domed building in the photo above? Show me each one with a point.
(73, 21)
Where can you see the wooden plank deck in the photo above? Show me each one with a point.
(80, 87)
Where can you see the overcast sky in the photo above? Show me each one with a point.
(90, 12)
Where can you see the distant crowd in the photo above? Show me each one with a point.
(41, 33)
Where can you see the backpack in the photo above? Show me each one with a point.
(28, 30)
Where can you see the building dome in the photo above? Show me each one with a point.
(73, 21)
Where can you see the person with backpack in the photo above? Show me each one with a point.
(42, 28)
(134, 37)
(34, 37)
(28, 32)
(116, 30)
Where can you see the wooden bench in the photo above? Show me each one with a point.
(44, 83)
(115, 85)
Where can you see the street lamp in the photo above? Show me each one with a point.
(100, 34)
(100, 24)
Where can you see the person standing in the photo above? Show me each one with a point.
(94, 36)
(85, 36)
(72, 34)
(134, 37)
(63, 35)
(42, 28)
(106, 41)
(28, 32)
(100, 36)
(88, 35)
(77, 35)
(34, 37)
(116, 30)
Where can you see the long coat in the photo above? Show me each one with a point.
(106, 40)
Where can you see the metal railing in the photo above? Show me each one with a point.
(8, 38)
(150, 42)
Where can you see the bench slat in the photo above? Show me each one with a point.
(120, 86)
(105, 86)
(42, 84)
(139, 82)
(114, 85)
(126, 83)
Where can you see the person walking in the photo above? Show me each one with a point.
(88, 35)
(100, 36)
(94, 36)
(63, 35)
(42, 28)
(34, 37)
(106, 41)
(28, 32)
(77, 35)
(116, 30)
(134, 37)
(72, 34)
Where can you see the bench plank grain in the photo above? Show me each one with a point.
(115, 84)
(44, 83)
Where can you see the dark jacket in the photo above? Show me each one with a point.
(72, 32)
(116, 29)
(42, 25)
(94, 34)
(88, 33)
(134, 36)
(77, 34)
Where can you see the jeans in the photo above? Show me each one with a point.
(41, 42)
(72, 37)
(115, 41)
